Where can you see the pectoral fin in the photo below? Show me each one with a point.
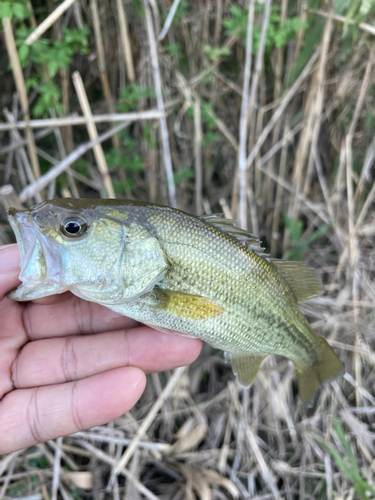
(185, 305)
(246, 367)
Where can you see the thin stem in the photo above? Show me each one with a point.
(242, 212)
(93, 134)
(169, 20)
(43, 181)
(160, 103)
(47, 23)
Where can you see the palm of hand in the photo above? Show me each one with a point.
(67, 364)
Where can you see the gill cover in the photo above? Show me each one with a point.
(126, 262)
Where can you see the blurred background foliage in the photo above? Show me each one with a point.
(202, 58)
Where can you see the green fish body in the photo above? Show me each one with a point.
(199, 276)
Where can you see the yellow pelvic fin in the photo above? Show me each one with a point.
(327, 367)
(186, 305)
(246, 367)
(302, 279)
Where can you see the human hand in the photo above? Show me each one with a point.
(67, 364)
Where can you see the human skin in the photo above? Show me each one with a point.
(67, 364)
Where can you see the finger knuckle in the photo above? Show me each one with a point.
(33, 416)
(69, 360)
(74, 405)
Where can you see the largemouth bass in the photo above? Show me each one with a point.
(200, 276)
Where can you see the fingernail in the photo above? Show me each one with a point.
(9, 258)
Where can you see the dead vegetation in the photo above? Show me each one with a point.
(173, 103)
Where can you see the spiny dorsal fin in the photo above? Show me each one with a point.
(302, 279)
(250, 241)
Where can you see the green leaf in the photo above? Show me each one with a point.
(39, 108)
(353, 8)
(312, 38)
(31, 83)
(183, 175)
(210, 138)
(6, 10)
(238, 21)
(351, 470)
(49, 97)
(336, 455)
(124, 185)
(138, 8)
(182, 11)
(215, 53)
(147, 135)
(75, 494)
(39, 462)
(318, 233)
(52, 67)
(341, 6)
(277, 34)
(300, 245)
(21, 11)
(131, 95)
(206, 116)
(173, 49)
(23, 54)
(22, 32)
(295, 228)
(366, 7)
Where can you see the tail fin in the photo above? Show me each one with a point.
(327, 367)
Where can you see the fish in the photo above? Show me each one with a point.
(199, 276)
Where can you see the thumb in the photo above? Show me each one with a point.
(9, 268)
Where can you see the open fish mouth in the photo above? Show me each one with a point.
(40, 261)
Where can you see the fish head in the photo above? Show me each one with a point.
(97, 252)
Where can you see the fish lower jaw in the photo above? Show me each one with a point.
(26, 292)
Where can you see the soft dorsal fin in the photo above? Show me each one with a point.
(301, 278)
(250, 241)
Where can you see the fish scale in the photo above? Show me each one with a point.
(197, 276)
(238, 293)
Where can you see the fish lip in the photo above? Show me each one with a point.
(28, 237)
(16, 224)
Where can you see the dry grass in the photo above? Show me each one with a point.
(308, 151)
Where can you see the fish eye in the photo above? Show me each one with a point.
(73, 225)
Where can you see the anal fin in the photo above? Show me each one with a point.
(246, 367)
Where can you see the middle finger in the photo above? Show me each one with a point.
(59, 360)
